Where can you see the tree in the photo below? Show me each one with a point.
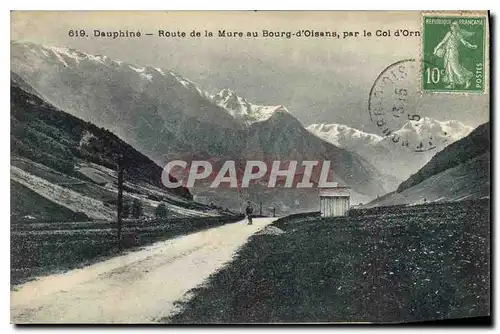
(136, 209)
(161, 211)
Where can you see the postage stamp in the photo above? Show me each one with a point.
(453, 53)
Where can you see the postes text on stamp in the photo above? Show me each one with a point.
(453, 53)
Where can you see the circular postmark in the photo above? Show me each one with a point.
(392, 106)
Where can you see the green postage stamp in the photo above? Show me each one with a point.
(454, 53)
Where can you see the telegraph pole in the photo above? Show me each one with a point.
(260, 209)
(119, 206)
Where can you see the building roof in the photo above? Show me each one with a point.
(335, 192)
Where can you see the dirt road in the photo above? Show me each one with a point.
(138, 287)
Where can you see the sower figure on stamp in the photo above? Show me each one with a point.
(248, 212)
(454, 73)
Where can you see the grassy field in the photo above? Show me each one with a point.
(43, 248)
(25, 202)
(393, 264)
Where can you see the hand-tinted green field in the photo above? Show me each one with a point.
(392, 264)
(42, 248)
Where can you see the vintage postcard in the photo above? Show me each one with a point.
(247, 167)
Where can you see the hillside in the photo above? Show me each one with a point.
(475, 144)
(460, 171)
(60, 161)
(29, 205)
(56, 139)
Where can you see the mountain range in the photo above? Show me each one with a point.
(166, 116)
(397, 161)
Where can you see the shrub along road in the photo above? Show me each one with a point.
(138, 287)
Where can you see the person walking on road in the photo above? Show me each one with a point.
(248, 212)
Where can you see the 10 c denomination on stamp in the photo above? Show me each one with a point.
(454, 53)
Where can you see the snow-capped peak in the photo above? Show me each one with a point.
(238, 107)
(226, 93)
(427, 127)
(188, 84)
(442, 132)
(338, 133)
(241, 109)
(67, 57)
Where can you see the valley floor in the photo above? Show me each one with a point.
(138, 287)
(386, 264)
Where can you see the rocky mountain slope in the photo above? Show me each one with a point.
(460, 171)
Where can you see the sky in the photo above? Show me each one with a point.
(319, 80)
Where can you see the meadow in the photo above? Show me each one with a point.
(386, 264)
(41, 248)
